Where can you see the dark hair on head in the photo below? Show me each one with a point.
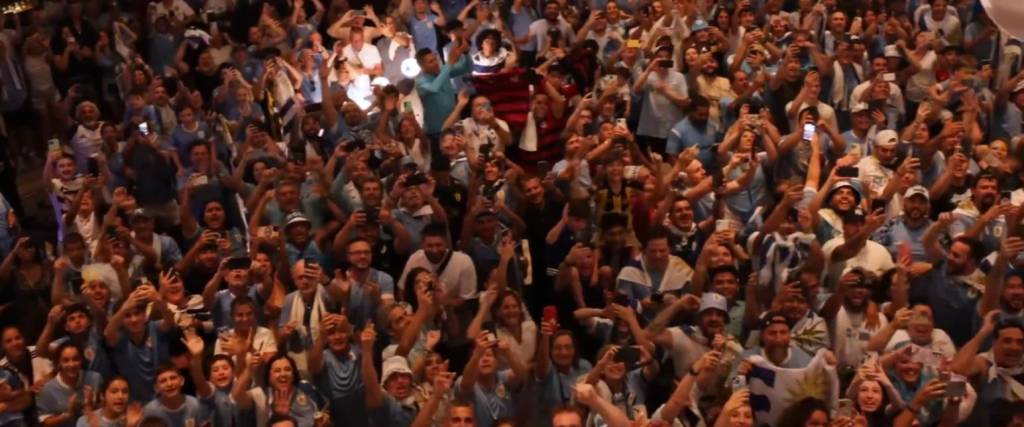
(435, 229)
(566, 409)
(460, 403)
(196, 144)
(798, 413)
(986, 174)
(575, 345)
(366, 180)
(698, 102)
(63, 347)
(409, 288)
(496, 307)
(73, 237)
(812, 110)
(723, 269)
(977, 249)
(656, 232)
(489, 33)
(242, 300)
(165, 367)
(77, 308)
(1007, 322)
(139, 92)
(285, 356)
(421, 54)
(217, 358)
(355, 240)
(579, 208)
(110, 381)
(389, 90)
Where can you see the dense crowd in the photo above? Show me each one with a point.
(511, 213)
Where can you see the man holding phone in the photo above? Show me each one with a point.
(876, 170)
(854, 249)
(665, 101)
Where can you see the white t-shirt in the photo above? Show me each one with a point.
(940, 342)
(825, 112)
(870, 171)
(458, 278)
(659, 113)
(918, 84)
(539, 34)
(872, 257)
(179, 9)
(367, 57)
(477, 134)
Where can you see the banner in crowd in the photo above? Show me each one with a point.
(773, 389)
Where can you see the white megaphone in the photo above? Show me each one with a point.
(1008, 15)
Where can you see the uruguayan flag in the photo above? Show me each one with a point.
(773, 389)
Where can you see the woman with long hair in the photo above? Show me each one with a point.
(28, 280)
(284, 393)
(115, 408)
(511, 322)
(62, 399)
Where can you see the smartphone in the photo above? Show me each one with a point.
(848, 171)
(485, 151)
(723, 225)
(297, 156)
(665, 63)
(92, 166)
(621, 122)
(407, 106)
(76, 284)
(809, 129)
(416, 179)
(144, 128)
(197, 180)
(543, 167)
(870, 357)
(372, 214)
(1005, 196)
(355, 145)
(629, 355)
(956, 388)
(845, 408)
(53, 145)
(739, 382)
(878, 204)
(310, 260)
(621, 299)
(358, 12)
(550, 313)
(889, 77)
(238, 263)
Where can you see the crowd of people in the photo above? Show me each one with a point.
(511, 213)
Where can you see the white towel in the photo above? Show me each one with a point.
(296, 317)
(528, 142)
